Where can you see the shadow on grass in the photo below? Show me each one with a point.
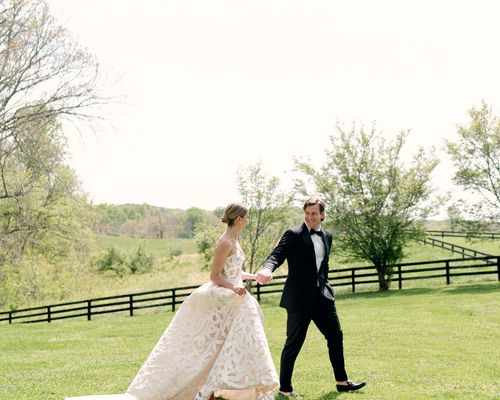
(466, 288)
(336, 395)
(478, 288)
(329, 396)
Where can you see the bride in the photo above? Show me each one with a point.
(215, 345)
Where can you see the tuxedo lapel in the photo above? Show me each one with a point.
(325, 242)
(309, 245)
(324, 262)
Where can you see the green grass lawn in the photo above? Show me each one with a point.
(429, 343)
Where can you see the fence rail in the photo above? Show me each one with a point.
(465, 234)
(353, 277)
(445, 269)
(454, 248)
(103, 305)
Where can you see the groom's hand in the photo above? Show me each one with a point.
(264, 276)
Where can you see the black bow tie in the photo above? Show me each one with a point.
(312, 232)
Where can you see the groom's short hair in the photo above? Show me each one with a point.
(312, 201)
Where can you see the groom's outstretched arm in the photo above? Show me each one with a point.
(276, 258)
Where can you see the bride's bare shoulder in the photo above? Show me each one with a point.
(225, 244)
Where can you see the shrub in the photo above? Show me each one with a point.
(176, 252)
(140, 262)
(112, 260)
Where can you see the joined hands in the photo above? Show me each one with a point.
(264, 276)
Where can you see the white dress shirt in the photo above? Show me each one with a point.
(319, 248)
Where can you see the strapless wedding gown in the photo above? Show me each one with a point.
(214, 343)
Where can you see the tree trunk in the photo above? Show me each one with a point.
(383, 284)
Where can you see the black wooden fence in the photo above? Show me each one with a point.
(484, 235)
(354, 278)
(454, 248)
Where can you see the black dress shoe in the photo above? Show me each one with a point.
(350, 387)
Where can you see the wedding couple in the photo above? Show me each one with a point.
(215, 346)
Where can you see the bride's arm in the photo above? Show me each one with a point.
(222, 251)
(245, 275)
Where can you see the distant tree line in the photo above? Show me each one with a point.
(143, 220)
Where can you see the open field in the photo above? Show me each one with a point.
(185, 269)
(431, 343)
(80, 282)
(414, 252)
(155, 247)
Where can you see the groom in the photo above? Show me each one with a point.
(307, 296)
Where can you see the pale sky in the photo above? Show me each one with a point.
(215, 85)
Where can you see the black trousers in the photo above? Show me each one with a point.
(324, 316)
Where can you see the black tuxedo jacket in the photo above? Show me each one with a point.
(304, 280)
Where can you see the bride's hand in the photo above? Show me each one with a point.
(239, 290)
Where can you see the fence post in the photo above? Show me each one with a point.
(10, 312)
(447, 262)
(173, 300)
(400, 278)
(258, 292)
(353, 280)
(498, 268)
(49, 317)
(131, 305)
(89, 310)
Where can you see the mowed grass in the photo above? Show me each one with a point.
(431, 343)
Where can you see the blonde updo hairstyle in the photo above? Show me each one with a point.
(232, 212)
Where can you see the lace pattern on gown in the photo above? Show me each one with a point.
(214, 343)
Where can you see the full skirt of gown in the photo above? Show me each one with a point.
(214, 344)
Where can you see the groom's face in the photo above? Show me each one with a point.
(313, 216)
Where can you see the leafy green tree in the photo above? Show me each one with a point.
(194, 216)
(206, 236)
(40, 195)
(270, 213)
(375, 202)
(44, 76)
(112, 215)
(476, 156)
(135, 211)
